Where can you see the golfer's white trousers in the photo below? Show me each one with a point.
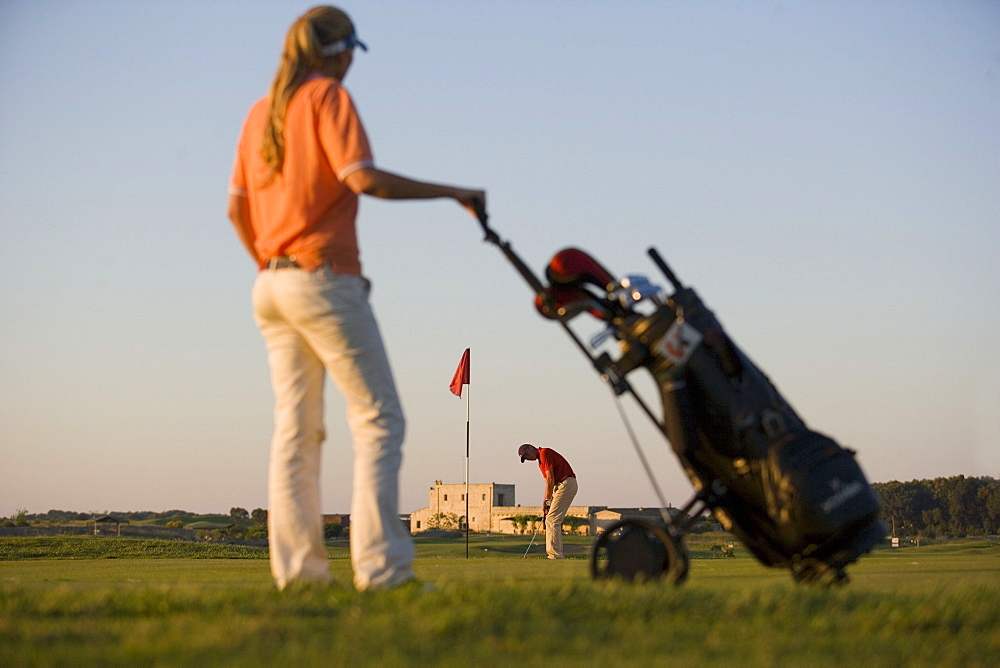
(313, 324)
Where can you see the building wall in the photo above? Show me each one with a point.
(450, 500)
(501, 520)
(488, 514)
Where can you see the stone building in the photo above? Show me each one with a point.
(447, 502)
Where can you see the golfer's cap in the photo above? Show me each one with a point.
(523, 450)
(345, 44)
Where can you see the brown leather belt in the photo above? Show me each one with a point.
(281, 262)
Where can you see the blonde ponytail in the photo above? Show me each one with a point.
(302, 55)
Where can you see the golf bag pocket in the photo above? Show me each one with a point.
(816, 490)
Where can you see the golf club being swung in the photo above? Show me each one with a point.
(535, 533)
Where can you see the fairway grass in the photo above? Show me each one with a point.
(935, 605)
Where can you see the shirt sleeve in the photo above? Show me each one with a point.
(237, 184)
(543, 461)
(238, 178)
(342, 134)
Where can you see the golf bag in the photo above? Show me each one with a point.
(794, 497)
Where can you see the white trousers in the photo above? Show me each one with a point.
(562, 499)
(317, 323)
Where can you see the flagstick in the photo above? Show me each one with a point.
(460, 380)
(468, 402)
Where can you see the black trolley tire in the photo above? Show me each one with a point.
(608, 558)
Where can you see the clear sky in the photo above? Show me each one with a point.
(826, 174)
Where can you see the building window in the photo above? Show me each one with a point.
(463, 497)
(445, 497)
(501, 500)
(418, 524)
(484, 497)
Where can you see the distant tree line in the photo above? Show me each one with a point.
(941, 507)
(955, 506)
(243, 525)
(258, 516)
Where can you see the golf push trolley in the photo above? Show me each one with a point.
(794, 497)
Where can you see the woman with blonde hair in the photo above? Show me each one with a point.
(302, 160)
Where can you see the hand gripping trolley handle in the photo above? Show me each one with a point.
(794, 497)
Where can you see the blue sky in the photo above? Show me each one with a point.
(826, 175)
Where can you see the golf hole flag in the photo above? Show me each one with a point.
(461, 375)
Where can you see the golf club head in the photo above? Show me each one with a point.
(574, 267)
(568, 302)
(635, 288)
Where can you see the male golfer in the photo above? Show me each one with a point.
(560, 489)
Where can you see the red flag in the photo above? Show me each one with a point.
(461, 375)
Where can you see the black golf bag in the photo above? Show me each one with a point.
(795, 498)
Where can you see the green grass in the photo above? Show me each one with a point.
(90, 547)
(100, 604)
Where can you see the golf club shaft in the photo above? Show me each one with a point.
(535, 533)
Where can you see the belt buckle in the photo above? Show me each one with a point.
(282, 262)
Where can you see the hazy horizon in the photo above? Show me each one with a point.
(825, 175)
(402, 511)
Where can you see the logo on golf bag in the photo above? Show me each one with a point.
(679, 343)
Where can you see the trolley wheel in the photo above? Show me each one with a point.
(638, 550)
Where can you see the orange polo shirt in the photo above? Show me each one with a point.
(306, 211)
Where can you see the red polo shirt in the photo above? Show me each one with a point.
(550, 459)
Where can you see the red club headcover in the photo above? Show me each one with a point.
(570, 300)
(572, 267)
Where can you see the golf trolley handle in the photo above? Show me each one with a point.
(542, 293)
(504, 246)
(480, 209)
(653, 253)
